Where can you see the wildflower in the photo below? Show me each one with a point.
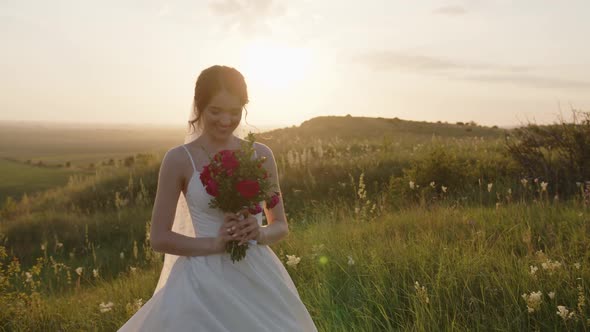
(412, 185)
(444, 189)
(132, 269)
(524, 182)
(551, 295)
(536, 180)
(105, 307)
(422, 292)
(29, 276)
(43, 247)
(533, 301)
(293, 260)
(490, 185)
(577, 266)
(79, 270)
(509, 191)
(432, 184)
(59, 244)
(544, 186)
(122, 255)
(564, 313)
(350, 260)
(137, 304)
(550, 265)
(534, 270)
(95, 273)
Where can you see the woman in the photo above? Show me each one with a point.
(200, 288)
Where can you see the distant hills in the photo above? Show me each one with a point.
(325, 127)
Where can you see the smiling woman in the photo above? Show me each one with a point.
(273, 65)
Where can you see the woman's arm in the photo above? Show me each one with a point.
(277, 228)
(163, 239)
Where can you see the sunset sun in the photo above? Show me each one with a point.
(275, 66)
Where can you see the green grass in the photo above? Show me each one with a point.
(474, 264)
(345, 182)
(18, 178)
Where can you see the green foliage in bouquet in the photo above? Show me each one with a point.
(237, 181)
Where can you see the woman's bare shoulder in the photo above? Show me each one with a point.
(262, 149)
(175, 157)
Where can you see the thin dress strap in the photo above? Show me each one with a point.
(191, 157)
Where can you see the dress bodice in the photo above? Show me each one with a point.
(206, 220)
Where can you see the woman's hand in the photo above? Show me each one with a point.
(248, 228)
(227, 231)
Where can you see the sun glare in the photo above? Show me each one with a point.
(273, 65)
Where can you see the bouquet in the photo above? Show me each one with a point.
(237, 181)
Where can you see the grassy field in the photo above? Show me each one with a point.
(399, 226)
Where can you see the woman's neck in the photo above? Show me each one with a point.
(216, 144)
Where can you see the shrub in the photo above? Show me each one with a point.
(557, 153)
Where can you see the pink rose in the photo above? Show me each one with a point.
(273, 201)
(255, 210)
(248, 188)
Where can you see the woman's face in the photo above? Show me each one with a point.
(222, 116)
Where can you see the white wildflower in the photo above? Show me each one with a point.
(533, 301)
(544, 186)
(577, 266)
(533, 270)
(293, 260)
(490, 185)
(95, 273)
(29, 276)
(122, 255)
(132, 269)
(412, 185)
(105, 307)
(79, 270)
(59, 244)
(432, 184)
(564, 313)
(350, 260)
(551, 295)
(444, 189)
(524, 182)
(422, 292)
(550, 266)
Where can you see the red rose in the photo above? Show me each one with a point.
(228, 161)
(205, 175)
(248, 188)
(255, 210)
(212, 188)
(273, 201)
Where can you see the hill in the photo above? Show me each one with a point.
(325, 127)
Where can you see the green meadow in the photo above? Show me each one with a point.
(399, 225)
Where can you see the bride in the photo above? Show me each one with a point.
(200, 288)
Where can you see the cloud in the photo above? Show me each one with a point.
(450, 10)
(464, 70)
(248, 17)
(399, 60)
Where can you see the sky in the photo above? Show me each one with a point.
(495, 62)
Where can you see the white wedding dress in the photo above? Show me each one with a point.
(213, 294)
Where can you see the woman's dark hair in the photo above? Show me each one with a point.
(213, 80)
